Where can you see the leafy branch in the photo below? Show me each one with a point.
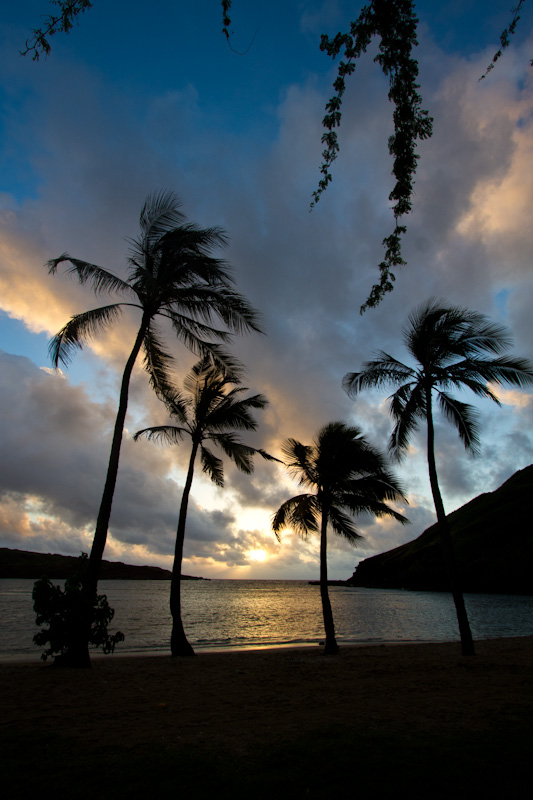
(39, 44)
(226, 21)
(505, 38)
(394, 23)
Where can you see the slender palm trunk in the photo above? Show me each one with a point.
(467, 642)
(79, 652)
(179, 645)
(329, 626)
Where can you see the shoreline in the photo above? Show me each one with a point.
(245, 648)
(34, 658)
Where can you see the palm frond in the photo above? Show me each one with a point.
(162, 434)
(210, 370)
(241, 454)
(79, 330)
(382, 372)
(482, 336)
(300, 513)
(230, 413)
(158, 363)
(408, 409)
(375, 507)
(343, 525)
(378, 484)
(464, 417)
(212, 466)
(101, 279)
(160, 214)
(440, 333)
(502, 371)
(300, 461)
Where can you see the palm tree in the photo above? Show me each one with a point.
(453, 348)
(348, 476)
(173, 275)
(209, 412)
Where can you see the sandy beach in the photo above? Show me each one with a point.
(241, 699)
(238, 703)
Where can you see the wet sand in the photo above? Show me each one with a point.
(237, 701)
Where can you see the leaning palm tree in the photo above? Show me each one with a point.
(210, 410)
(172, 275)
(453, 348)
(348, 476)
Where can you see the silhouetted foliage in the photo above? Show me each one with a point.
(172, 275)
(348, 476)
(210, 410)
(61, 610)
(505, 38)
(62, 22)
(394, 24)
(453, 348)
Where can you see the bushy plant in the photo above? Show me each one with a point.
(64, 611)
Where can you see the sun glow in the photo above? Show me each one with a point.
(256, 555)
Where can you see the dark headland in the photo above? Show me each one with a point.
(25, 564)
(493, 543)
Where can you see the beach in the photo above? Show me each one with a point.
(241, 703)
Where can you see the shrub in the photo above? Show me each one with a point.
(64, 610)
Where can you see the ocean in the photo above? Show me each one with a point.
(233, 614)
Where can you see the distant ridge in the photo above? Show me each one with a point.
(493, 542)
(25, 564)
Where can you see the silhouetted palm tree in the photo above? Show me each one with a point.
(453, 348)
(210, 411)
(346, 474)
(172, 274)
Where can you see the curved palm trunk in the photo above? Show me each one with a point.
(467, 643)
(329, 626)
(79, 652)
(179, 645)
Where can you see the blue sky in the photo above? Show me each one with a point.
(128, 105)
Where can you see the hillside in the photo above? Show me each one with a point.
(493, 543)
(25, 564)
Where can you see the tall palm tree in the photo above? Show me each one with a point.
(348, 476)
(453, 348)
(173, 275)
(209, 411)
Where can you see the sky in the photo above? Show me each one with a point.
(140, 99)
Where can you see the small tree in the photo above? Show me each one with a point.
(60, 609)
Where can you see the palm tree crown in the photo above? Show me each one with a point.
(348, 477)
(172, 274)
(210, 410)
(453, 348)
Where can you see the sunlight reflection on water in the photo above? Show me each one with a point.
(234, 614)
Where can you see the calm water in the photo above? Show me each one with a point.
(233, 614)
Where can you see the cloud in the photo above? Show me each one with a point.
(95, 159)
